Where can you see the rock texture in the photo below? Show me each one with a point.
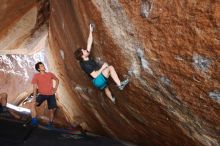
(23, 31)
(23, 26)
(168, 49)
(16, 72)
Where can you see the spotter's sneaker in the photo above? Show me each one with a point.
(34, 122)
(50, 125)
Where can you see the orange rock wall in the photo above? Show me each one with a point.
(170, 52)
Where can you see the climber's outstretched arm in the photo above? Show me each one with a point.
(90, 39)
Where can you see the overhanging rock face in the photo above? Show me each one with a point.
(23, 26)
(168, 49)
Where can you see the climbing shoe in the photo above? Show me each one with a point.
(123, 84)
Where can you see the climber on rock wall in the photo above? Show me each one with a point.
(43, 83)
(98, 74)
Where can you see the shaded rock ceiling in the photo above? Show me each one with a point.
(169, 49)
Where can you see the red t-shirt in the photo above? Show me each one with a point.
(44, 82)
